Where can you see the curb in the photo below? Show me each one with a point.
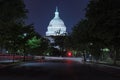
(112, 70)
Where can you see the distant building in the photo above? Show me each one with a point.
(56, 26)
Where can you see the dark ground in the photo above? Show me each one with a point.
(57, 70)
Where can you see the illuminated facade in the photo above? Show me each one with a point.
(56, 26)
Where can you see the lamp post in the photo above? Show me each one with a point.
(25, 34)
(91, 44)
(13, 51)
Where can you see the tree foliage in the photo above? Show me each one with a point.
(104, 18)
(12, 15)
(37, 45)
(100, 28)
(12, 10)
(14, 33)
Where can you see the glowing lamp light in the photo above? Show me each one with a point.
(69, 54)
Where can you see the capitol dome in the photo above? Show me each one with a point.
(56, 26)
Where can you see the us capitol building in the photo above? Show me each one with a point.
(56, 26)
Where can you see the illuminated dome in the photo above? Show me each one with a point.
(56, 26)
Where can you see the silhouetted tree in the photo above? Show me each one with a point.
(12, 15)
(104, 18)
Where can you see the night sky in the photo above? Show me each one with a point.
(42, 11)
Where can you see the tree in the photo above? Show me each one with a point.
(82, 39)
(68, 43)
(79, 38)
(37, 45)
(12, 15)
(104, 18)
(12, 11)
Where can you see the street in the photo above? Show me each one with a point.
(54, 70)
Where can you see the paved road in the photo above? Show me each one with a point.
(54, 70)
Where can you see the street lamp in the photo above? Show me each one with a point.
(25, 34)
(91, 44)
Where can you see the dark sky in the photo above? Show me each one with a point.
(42, 11)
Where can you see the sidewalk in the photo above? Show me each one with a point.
(109, 69)
(7, 63)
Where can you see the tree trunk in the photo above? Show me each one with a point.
(13, 57)
(84, 56)
(24, 59)
(114, 57)
(1, 48)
